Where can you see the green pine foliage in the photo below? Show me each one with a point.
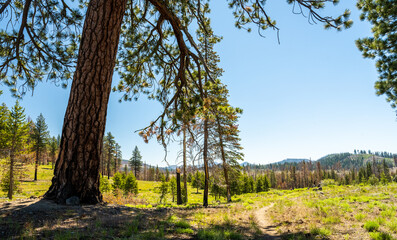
(172, 184)
(382, 14)
(118, 182)
(198, 180)
(39, 138)
(40, 134)
(14, 135)
(136, 161)
(163, 189)
(131, 185)
(104, 185)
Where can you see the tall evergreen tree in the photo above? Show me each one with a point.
(44, 43)
(53, 146)
(136, 161)
(4, 114)
(40, 139)
(15, 135)
(225, 135)
(110, 150)
(117, 157)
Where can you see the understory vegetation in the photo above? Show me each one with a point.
(336, 212)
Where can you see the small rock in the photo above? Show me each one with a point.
(73, 201)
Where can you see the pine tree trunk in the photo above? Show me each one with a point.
(36, 165)
(77, 169)
(224, 163)
(178, 187)
(52, 161)
(205, 159)
(11, 184)
(115, 165)
(184, 164)
(108, 165)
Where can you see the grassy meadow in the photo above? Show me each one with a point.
(336, 212)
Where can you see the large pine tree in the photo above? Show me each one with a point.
(40, 138)
(43, 43)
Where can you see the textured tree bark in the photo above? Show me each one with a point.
(77, 169)
(11, 187)
(224, 163)
(184, 164)
(178, 187)
(108, 163)
(36, 165)
(205, 160)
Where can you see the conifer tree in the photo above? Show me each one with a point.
(273, 182)
(167, 175)
(163, 189)
(3, 126)
(131, 185)
(40, 138)
(224, 138)
(136, 161)
(110, 147)
(14, 134)
(172, 184)
(196, 181)
(386, 171)
(369, 171)
(117, 157)
(53, 146)
(47, 41)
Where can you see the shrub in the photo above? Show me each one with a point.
(360, 216)
(130, 185)
(388, 213)
(328, 182)
(380, 236)
(321, 232)
(104, 185)
(118, 181)
(5, 183)
(392, 225)
(380, 220)
(163, 189)
(371, 226)
(182, 224)
(373, 180)
(184, 231)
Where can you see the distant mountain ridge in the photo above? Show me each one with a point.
(336, 160)
(340, 160)
(292, 160)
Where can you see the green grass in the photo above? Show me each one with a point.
(380, 236)
(28, 187)
(321, 232)
(371, 226)
(298, 212)
(359, 217)
(218, 234)
(392, 225)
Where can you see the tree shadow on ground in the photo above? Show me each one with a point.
(42, 219)
(46, 219)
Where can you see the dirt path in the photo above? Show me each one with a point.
(265, 224)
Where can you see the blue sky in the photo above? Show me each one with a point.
(307, 97)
